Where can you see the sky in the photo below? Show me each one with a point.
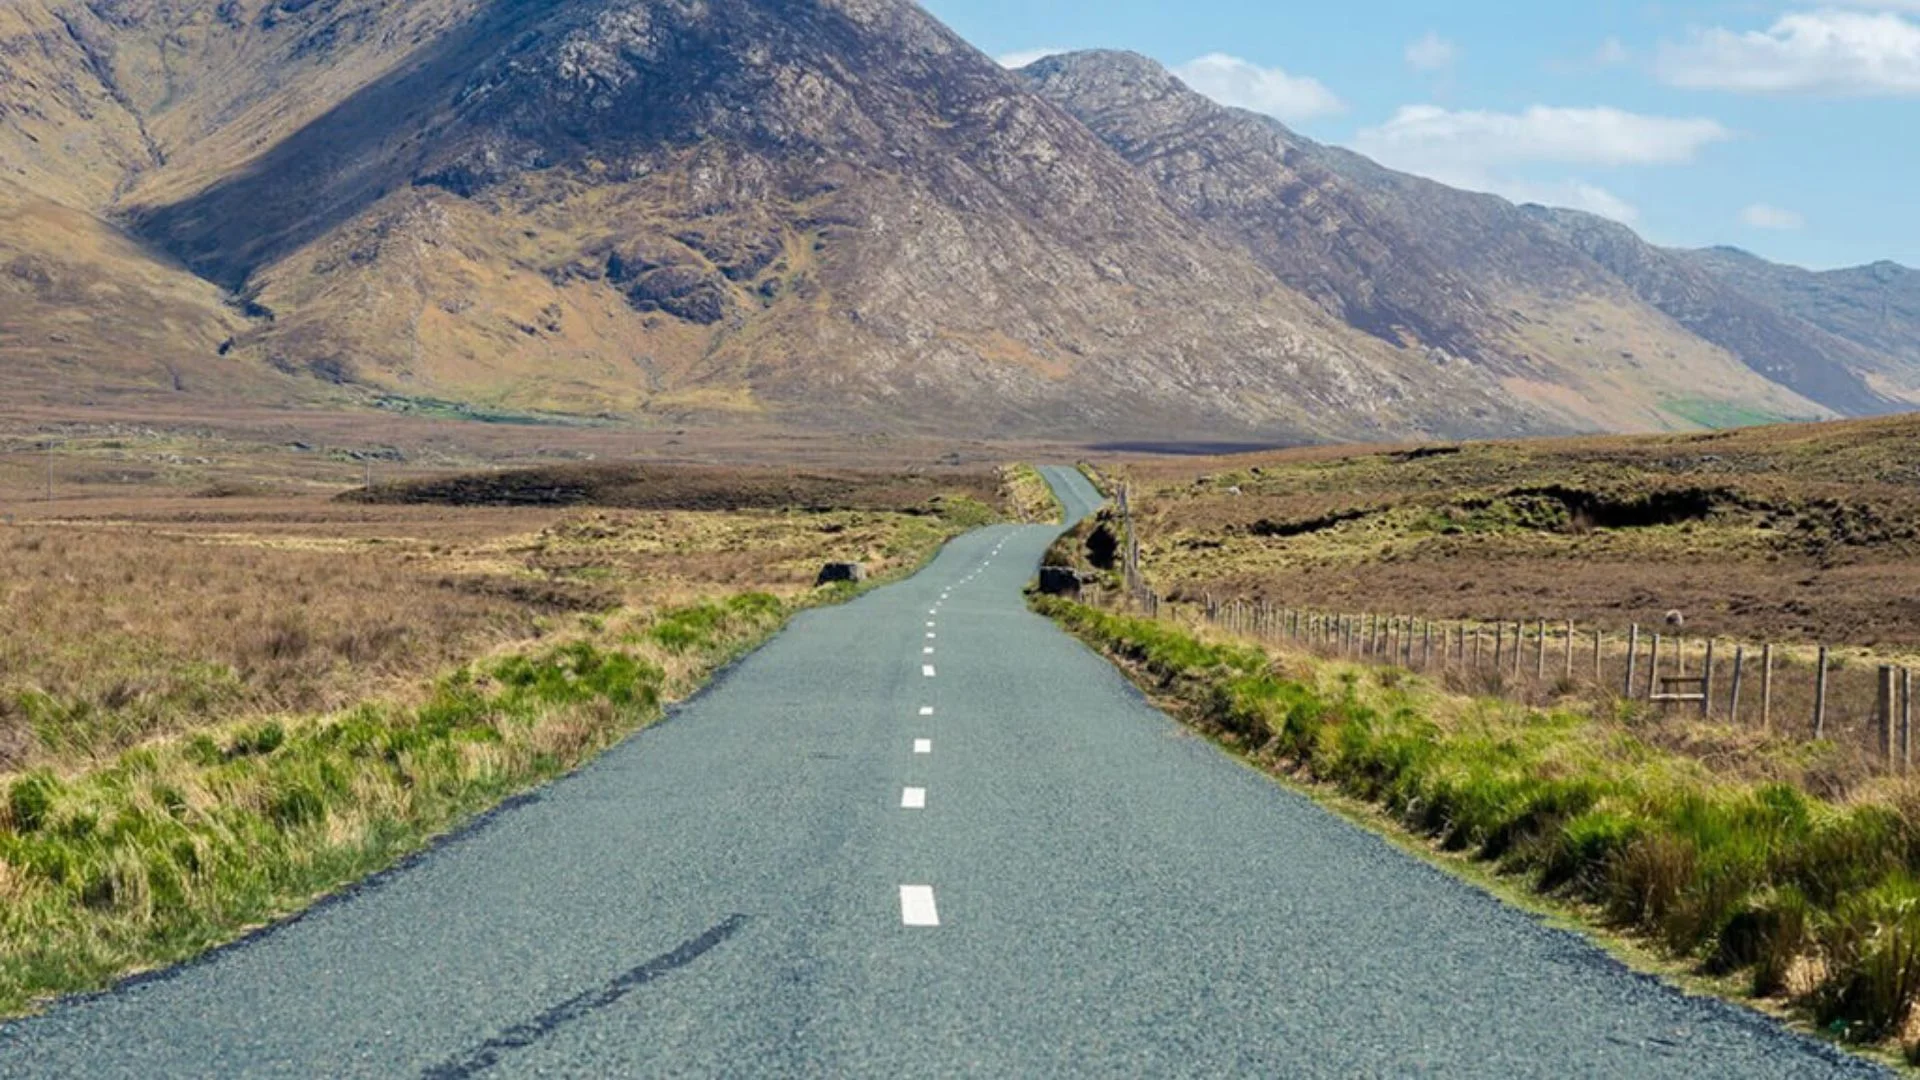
(1789, 129)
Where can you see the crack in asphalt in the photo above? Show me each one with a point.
(524, 1034)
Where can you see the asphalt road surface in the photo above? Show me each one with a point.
(924, 834)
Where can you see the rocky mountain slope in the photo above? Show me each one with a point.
(1876, 307)
(835, 210)
(810, 212)
(1770, 340)
(1549, 300)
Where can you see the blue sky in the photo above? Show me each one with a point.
(1788, 129)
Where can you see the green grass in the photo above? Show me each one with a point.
(1732, 877)
(1030, 495)
(180, 845)
(1720, 415)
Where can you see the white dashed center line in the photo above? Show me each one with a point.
(927, 670)
(913, 798)
(916, 906)
(928, 650)
(923, 746)
(926, 710)
(931, 636)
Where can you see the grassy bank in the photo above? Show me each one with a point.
(1808, 901)
(180, 844)
(1029, 494)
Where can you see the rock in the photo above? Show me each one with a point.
(835, 572)
(1060, 581)
(682, 292)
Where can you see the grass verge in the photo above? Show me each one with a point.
(182, 844)
(1030, 496)
(1797, 900)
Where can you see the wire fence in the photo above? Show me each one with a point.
(1846, 695)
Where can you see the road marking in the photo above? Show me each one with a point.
(913, 798)
(929, 624)
(931, 636)
(916, 906)
(927, 670)
(926, 710)
(923, 746)
(928, 650)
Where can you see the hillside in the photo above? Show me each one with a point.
(1770, 340)
(1559, 305)
(831, 214)
(1874, 307)
(837, 211)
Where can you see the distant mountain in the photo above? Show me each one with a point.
(1875, 307)
(1769, 339)
(1551, 301)
(829, 213)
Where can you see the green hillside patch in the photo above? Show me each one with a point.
(1721, 415)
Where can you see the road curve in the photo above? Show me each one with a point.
(856, 857)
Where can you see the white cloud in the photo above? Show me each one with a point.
(1480, 150)
(1243, 84)
(1574, 194)
(1763, 216)
(1876, 5)
(1432, 53)
(1823, 52)
(1612, 53)
(1426, 135)
(1024, 57)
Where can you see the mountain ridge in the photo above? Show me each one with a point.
(830, 212)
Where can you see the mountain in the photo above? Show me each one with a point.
(833, 210)
(1876, 308)
(1551, 301)
(1770, 340)
(820, 213)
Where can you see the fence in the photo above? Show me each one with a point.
(1845, 695)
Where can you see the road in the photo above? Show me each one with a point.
(923, 834)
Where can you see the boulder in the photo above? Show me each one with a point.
(840, 571)
(1060, 581)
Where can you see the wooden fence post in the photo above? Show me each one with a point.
(1906, 719)
(1767, 687)
(1820, 698)
(1569, 652)
(1739, 674)
(1540, 652)
(1883, 714)
(1499, 647)
(1633, 658)
(1706, 684)
(1653, 667)
(1599, 658)
(1519, 636)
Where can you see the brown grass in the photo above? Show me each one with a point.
(1812, 533)
(148, 613)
